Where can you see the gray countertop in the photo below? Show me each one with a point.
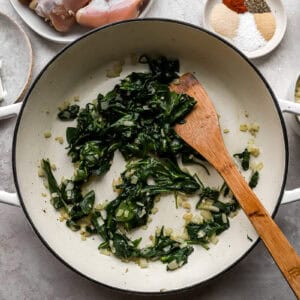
(29, 271)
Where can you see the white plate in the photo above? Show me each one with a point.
(277, 9)
(17, 60)
(43, 29)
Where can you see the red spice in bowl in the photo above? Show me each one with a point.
(236, 5)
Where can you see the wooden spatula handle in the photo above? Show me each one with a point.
(270, 233)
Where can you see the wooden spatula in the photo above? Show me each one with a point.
(202, 132)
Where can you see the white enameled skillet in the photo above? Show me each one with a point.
(234, 85)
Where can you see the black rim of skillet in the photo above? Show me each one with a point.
(27, 214)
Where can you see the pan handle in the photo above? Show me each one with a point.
(289, 106)
(291, 196)
(5, 113)
(293, 108)
(9, 198)
(10, 111)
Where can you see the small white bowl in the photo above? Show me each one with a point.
(38, 25)
(277, 9)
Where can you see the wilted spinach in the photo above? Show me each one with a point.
(137, 117)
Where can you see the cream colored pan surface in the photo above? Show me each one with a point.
(80, 70)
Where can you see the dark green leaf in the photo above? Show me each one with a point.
(254, 180)
(87, 202)
(69, 113)
(245, 159)
(73, 225)
(56, 195)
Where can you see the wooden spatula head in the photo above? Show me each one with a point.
(207, 138)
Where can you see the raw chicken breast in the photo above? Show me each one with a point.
(60, 13)
(100, 12)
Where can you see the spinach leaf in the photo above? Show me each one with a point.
(84, 207)
(245, 159)
(69, 113)
(73, 225)
(56, 194)
(177, 258)
(165, 70)
(71, 192)
(208, 193)
(122, 247)
(87, 203)
(200, 233)
(254, 180)
(168, 251)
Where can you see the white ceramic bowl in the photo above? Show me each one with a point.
(281, 23)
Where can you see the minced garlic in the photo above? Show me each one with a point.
(105, 252)
(186, 205)
(243, 127)
(198, 219)
(154, 210)
(252, 148)
(64, 105)
(256, 166)
(143, 263)
(232, 214)
(254, 129)
(41, 172)
(59, 139)
(157, 199)
(185, 235)
(63, 215)
(115, 183)
(226, 130)
(214, 239)
(99, 206)
(47, 134)
(206, 214)
(188, 217)
(168, 231)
